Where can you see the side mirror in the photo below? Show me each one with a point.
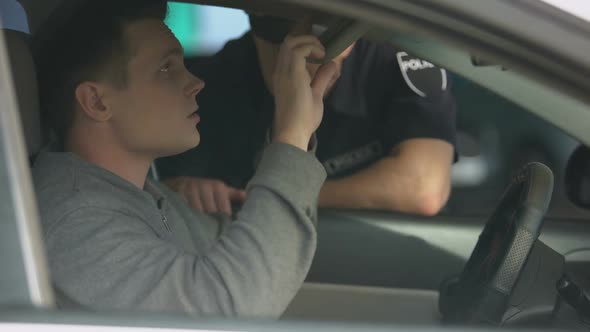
(577, 177)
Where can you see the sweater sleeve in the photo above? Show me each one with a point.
(107, 259)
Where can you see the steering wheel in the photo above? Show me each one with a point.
(482, 291)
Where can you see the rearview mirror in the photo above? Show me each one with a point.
(577, 177)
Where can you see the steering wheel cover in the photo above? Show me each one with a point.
(537, 180)
(482, 291)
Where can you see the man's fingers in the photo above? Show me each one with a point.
(208, 199)
(298, 61)
(223, 201)
(299, 47)
(309, 51)
(194, 199)
(326, 74)
(237, 196)
(187, 191)
(292, 42)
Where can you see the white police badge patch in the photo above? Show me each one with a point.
(421, 76)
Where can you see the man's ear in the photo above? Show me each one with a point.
(90, 99)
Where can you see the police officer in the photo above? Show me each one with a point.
(386, 140)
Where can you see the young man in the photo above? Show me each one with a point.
(115, 89)
(387, 139)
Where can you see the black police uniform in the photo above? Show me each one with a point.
(382, 98)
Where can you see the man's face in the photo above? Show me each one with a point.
(153, 115)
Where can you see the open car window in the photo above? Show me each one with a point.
(13, 16)
(495, 137)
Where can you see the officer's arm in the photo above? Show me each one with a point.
(414, 178)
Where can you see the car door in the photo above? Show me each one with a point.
(500, 129)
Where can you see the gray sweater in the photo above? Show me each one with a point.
(114, 246)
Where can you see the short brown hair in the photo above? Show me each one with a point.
(89, 45)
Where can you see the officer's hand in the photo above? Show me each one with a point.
(299, 97)
(207, 195)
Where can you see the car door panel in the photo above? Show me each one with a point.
(394, 250)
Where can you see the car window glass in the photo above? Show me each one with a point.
(495, 139)
(203, 30)
(13, 16)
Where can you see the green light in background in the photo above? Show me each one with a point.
(183, 20)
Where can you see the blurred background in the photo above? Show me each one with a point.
(203, 30)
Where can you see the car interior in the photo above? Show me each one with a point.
(509, 249)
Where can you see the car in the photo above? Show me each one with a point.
(508, 250)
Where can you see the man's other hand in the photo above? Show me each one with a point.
(207, 195)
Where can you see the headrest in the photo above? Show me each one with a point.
(25, 82)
